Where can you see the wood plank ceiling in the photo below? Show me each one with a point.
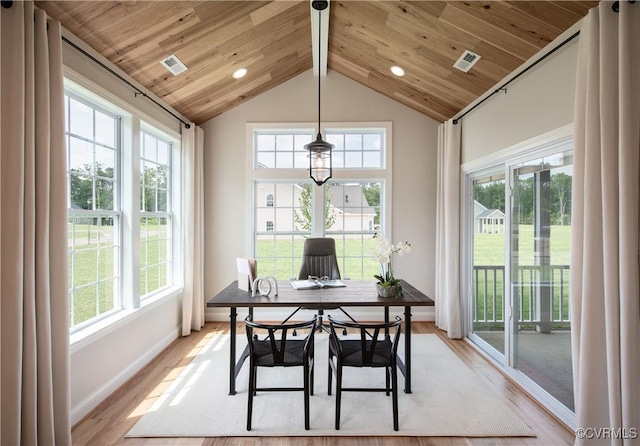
(272, 39)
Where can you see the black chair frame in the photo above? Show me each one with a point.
(277, 350)
(367, 351)
(319, 260)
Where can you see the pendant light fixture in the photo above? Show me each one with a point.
(320, 168)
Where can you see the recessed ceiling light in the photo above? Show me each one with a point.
(239, 73)
(397, 71)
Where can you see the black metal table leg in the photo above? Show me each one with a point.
(407, 349)
(232, 351)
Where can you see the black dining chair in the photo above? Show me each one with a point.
(276, 349)
(371, 349)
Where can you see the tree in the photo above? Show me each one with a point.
(303, 217)
(371, 192)
(82, 187)
(561, 197)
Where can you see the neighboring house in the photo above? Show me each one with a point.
(487, 221)
(276, 204)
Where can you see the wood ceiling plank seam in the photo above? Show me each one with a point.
(435, 109)
(513, 21)
(114, 31)
(366, 63)
(157, 33)
(229, 85)
(246, 51)
(268, 61)
(577, 7)
(272, 10)
(131, 50)
(484, 66)
(483, 31)
(356, 69)
(78, 16)
(449, 89)
(431, 8)
(438, 30)
(547, 12)
(236, 19)
(224, 30)
(426, 84)
(209, 100)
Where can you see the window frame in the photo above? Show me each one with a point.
(132, 121)
(382, 175)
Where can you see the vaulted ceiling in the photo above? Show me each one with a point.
(272, 40)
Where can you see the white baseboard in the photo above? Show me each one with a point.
(91, 402)
(358, 313)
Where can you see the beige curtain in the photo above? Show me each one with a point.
(447, 297)
(605, 298)
(193, 193)
(34, 330)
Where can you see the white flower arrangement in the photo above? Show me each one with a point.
(383, 252)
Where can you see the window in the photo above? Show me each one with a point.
(294, 207)
(93, 157)
(155, 213)
(353, 210)
(269, 200)
(121, 237)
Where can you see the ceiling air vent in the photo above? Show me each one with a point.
(173, 64)
(466, 61)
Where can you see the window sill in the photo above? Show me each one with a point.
(92, 333)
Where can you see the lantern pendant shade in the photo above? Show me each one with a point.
(320, 168)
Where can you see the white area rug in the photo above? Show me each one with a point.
(448, 399)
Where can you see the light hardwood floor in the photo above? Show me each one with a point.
(109, 423)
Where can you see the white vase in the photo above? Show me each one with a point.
(386, 291)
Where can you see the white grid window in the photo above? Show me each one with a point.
(93, 157)
(292, 208)
(155, 214)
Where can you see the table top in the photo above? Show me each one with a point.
(355, 293)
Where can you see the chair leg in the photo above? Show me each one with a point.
(312, 372)
(330, 374)
(306, 396)
(394, 385)
(250, 397)
(387, 380)
(338, 395)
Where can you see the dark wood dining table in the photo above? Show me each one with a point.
(355, 293)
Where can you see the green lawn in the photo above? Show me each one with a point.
(94, 265)
(489, 250)
(280, 258)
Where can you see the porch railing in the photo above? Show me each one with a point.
(527, 289)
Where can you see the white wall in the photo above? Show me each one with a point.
(103, 361)
(414, 146)
(539, 101)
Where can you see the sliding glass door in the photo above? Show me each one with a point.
(487, 276)
(540, 235)
(518, 224)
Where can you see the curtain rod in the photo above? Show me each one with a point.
(137, 90)
(615, 7)
(503, 87)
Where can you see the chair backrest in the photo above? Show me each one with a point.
(319, 259)
(277, 337)
(369, 337)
